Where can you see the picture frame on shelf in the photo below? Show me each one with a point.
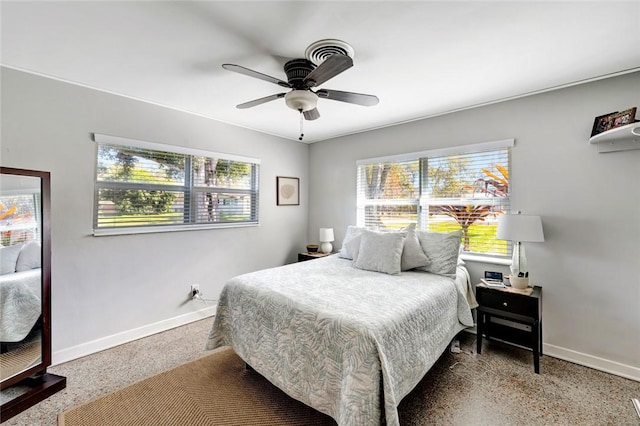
(613, 120)
(602, 123)
(288, 191)
(624, 117)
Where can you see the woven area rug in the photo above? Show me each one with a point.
(19, 358)
(216, 389)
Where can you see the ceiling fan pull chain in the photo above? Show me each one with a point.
(301, 120)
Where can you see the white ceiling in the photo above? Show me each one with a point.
(420, 58)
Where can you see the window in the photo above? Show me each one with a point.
(19, 217)
(464, 189)
(148, 187)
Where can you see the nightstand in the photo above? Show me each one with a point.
(512, 315)
(311, 255)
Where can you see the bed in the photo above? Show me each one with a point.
(348, 342)
(20, 284)
(20, 304)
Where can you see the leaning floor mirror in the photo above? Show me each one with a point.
(25, 291)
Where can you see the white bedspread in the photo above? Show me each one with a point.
(20, 304)
(339, 338)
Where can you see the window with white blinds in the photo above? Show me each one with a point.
(464, 189)
(146, 187)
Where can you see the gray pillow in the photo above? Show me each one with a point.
(353, 246)
(381, 252)
(442, 250)
(352, 232)
(412, 254)
(8, 258)
(29, 257)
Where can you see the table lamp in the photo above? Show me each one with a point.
(519, 228)
(326, 236)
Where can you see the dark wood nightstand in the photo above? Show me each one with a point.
(511, 315)
(311, 255)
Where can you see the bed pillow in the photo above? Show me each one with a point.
(8, 258)
(380, 252)
(353, 246)
(412, 254)
(460, 261)
(442, 250)
(29, 257)
(352, 232)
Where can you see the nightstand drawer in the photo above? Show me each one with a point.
(522, 305)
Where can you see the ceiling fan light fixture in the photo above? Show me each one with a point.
(301, 100)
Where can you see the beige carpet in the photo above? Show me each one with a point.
(19, 358)
(213, 390)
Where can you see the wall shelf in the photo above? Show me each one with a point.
(618, 139)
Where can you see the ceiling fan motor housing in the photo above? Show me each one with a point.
(297, 70)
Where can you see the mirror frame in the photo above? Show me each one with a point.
(41, 384)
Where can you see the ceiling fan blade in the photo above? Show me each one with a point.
(332, 66)
(312, 114)
(256, 74)
(260, 101)
(350, 97)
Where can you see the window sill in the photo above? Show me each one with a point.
(485, 259)
(178, 228)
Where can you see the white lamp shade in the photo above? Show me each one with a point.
(326, 235)
(520, 227)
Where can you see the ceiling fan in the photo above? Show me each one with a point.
(303, 75)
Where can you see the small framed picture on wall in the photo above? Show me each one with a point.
(288, 191)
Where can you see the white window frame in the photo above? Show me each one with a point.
(109, 140)
(422, 211)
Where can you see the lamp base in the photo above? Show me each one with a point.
(326, 248)
(519, 282)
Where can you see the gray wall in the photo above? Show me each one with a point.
(107, 290)
(590, 204)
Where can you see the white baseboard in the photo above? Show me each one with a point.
(612, 367)
(601, 364)
(69, 354)
(84, 349)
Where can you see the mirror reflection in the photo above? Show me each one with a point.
(20, 274)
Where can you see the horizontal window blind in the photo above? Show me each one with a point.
(464, 191)
(468, 192)
(19, 217)
(138, 188)
(388, 194)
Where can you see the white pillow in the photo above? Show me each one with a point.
(381, 252)
(29, 257)
(412, 254)
(352, 232)
(441, 249)
(8, 258)
(460, 261)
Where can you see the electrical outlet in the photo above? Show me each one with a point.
(195, 291)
